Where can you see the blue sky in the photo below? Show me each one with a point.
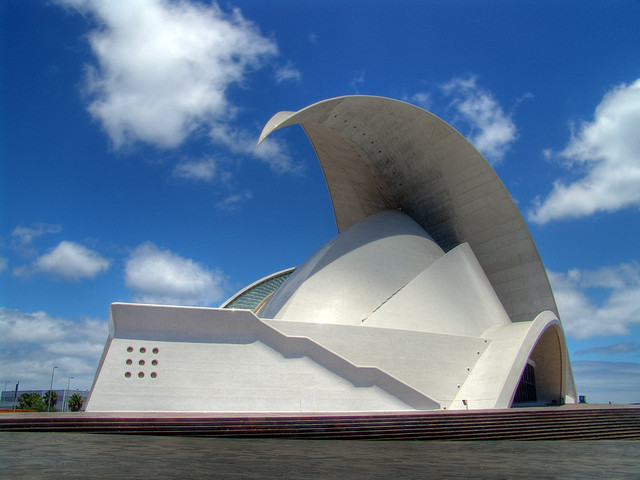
(129, 170)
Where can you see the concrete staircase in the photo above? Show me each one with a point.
(552, 423)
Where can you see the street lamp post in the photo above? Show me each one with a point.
(64, 395)
(51, 389)
(15, 396)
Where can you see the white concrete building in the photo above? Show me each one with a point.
(432, 296)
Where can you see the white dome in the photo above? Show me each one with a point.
(355, 273)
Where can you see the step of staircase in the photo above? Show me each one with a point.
(553, 423)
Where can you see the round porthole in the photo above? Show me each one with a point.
(129, 361)
(154, 362)
(143, 350)
(154, 374)
(127, 375)
(129, 349)
(141, 375)
(155, 351)
(141, 362)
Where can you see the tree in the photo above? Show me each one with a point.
(32, 401)
(54, 399)
(75, 402)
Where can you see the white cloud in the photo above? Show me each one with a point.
(204, 169)
(162, 277)
(621, 347)
(271, 151)
(26, 235)
(421, 99)
(234, 201)
(357, 81)
(163, 68)
(491, 130)
(602, 382)
(22, 237)
(29, 327)
(619, 311)
(614, 278)
(606, 152)
(288, 72)
(31, 344)
(72, 261)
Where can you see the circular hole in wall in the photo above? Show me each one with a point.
(154, 362)
(155, 350)
(127, 375)
(143, 350)
(129, 361)
(154, 374)
(141, 375)
(141, 362)
(129, 349)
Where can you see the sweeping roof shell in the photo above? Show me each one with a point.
(379, 154)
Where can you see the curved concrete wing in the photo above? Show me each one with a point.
(378, 154)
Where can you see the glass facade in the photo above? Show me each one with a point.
(254, 296)
(526, 392)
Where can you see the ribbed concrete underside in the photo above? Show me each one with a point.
(560, 423)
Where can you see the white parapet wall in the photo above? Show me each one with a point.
(180, 359)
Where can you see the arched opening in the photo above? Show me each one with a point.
(541, 381)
